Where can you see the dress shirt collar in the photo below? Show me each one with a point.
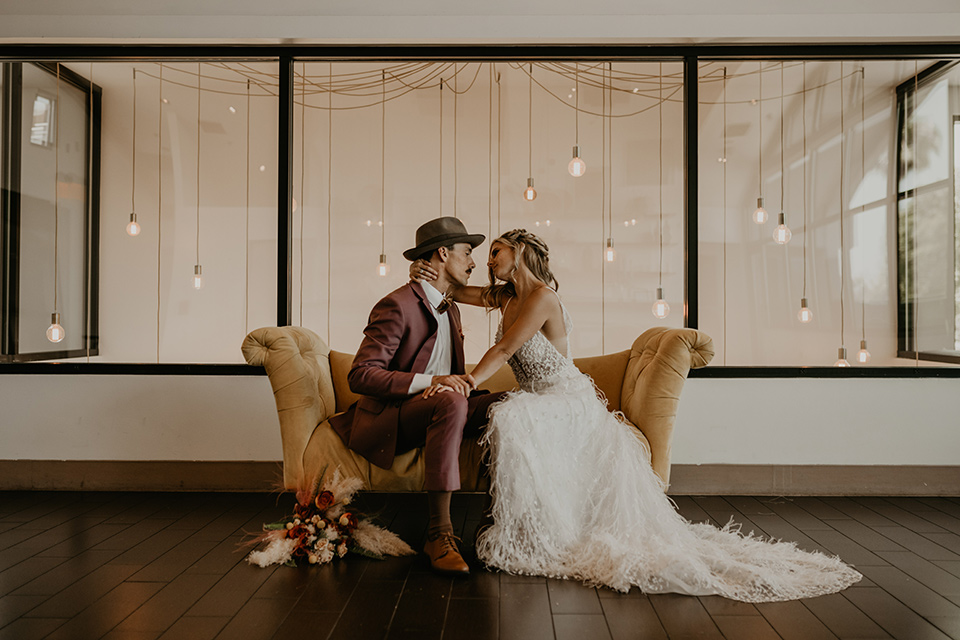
(434, 297)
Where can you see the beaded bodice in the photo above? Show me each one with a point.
(538, 364)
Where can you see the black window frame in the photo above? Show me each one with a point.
(11, 117)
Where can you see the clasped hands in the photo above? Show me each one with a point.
(462, 384)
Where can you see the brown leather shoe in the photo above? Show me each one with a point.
(444, 556)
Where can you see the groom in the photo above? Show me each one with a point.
(408, 371)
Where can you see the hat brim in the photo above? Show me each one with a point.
(473, 239)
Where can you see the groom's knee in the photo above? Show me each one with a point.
(450, 407)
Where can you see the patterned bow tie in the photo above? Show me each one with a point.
(445, 304)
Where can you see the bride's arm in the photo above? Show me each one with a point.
(421, 270)
(533, 314)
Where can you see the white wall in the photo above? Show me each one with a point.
(758, 421)
(428, 21)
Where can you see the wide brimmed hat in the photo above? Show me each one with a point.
(441, 232)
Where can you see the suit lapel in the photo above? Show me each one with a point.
(423, 354)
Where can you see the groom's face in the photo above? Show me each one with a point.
(459, 263)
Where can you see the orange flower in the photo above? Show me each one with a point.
(348, 521)
(324, 500)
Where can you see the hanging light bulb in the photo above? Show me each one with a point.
(197, 277)
(610, 254)
(133, 227)
(760, 215)
(660, 308)
(55, 332)
(577, 167)
(805, 315)
(529, 194)
(841, 358)
(863, 356)
(782, 234)
(383, 268)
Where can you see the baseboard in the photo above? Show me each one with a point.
(139, 475)
(685, 479)
(814, 480)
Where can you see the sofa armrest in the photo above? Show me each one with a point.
(298, 365)
(660, 360)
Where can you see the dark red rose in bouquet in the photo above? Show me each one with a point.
(324, 500)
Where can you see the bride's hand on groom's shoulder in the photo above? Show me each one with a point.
(422, 271)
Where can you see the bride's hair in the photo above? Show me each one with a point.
(535, 254)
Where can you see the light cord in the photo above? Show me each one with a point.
(133, 145)
(724, 244)
(441, 147)
(456, 73)
(329, 197)
(760, 124)
(383, 169)
(782, 175)
(303, 144)
(530, 123)
(159, 200)
(863, 133)
(842, 132)
(660, 176)
(246, 227)
(576, 112)
(803, 116)
(198, 162)
(56, 200)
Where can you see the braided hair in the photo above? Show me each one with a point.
(535, 255)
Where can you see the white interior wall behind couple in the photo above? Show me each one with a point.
(745, 421)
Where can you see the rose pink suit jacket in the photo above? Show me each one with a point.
(397, 344)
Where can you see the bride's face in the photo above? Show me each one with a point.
(502, 261)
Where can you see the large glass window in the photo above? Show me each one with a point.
(929, 275)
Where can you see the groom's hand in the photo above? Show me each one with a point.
(461, 384)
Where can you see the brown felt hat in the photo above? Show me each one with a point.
(441, 232)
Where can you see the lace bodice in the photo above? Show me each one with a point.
(537, 364)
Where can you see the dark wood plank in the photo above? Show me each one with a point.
(30, 628)
(820, 509)
(473, 619)
(780, 529)
(525, 611)
(169, 604)
(746, 628)
(853, 509)
(567, 596)
(12, 607)
(86, 539)
(950, 541)
(632, 617)
(422, 609)
(683, 616)
(720, 606)
(195, 628)
(866, 537)
(921, 545)
(950, 566)
(899, 515)
(895, 618)
(750, 506)
(843, 618)
(232, 591)
(576, 626)
(689, 509)
(915, 595)
(797, 516)
(848, 550)
(84, 592)
(22, 573)
(258, 619)
(794, 621)
(332, 586)
(66, 573)
(101, 616)
(222, 558)
(369, 611)
(306, 624)
(176, 560)
(927, 573)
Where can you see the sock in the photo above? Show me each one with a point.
(439, 506)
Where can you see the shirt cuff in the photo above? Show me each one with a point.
(421, 381)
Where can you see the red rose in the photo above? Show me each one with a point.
(324, 500)
(348, 521)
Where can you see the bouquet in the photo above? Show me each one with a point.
(323, 527)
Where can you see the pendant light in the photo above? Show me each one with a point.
(197, 268)
(805, 315)
(842, 353)
(609, 254)
(133, 227)
(782, 234)
(577, 167)
(863, 356)
(660, 308)
(530, 194)
(55, 332)
(383, 268)
(760, 215)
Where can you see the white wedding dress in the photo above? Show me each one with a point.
(574, 496)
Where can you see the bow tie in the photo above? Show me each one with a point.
(445, 303)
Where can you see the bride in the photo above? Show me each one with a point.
(574, 495)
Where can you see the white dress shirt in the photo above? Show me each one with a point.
(442, 357)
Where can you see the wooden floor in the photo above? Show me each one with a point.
(139, 566)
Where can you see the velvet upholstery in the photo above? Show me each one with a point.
(309, 384)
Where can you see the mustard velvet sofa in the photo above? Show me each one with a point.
(309, 383)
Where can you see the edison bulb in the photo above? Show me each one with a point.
(782, 234)
(577, 166)
(133, 227)
(863, 356)
(610, 254)
(760, 215)
(383, 268)
(660, 308)
(805, 315)
(529, 194)
(197, 278)
(55, 332)
(841, 358)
